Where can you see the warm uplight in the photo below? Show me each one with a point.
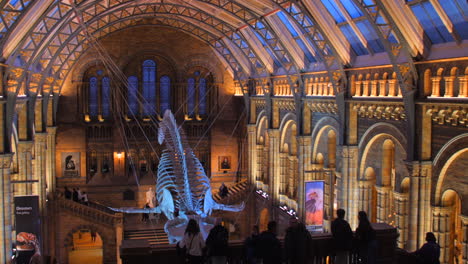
(119, 155)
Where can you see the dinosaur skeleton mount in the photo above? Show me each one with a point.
(181, 184)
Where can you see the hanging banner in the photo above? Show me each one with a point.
(28, 227)
(314, 205)
(71, 164)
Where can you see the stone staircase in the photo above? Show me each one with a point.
(93, 212)
(236, 193)
(155, 236)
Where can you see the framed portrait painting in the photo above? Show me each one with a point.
(224, 163)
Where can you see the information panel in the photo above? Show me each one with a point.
(28, 227)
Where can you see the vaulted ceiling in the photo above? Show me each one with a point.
(41, 40)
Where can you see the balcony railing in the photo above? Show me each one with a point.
(140, 251)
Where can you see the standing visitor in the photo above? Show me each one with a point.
(67, 193)
(269, 246)
(251, 247)
(79, 194)
(429, 253)
(342, 236)
(84, 198)
(75, 195)
(145, 216)
(366, 239)
(193, 242)
(298, 243)
(217, 244)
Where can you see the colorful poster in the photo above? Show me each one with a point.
(28, 228)
(314, 205)
(71, 164)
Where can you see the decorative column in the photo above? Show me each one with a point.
(348, 185)
(25, 167)
(260, 165)
(252, 148)
(392, 87)
(463, 90)
(365, 87)
(401, 218)
(118, 235)
(365, 196)
(284, 170)
(383, 203)
(304, 156)
(40, 145)
(50, 159)
(441, 229)
(436, 86)
(273, 164)
(382, 88)
(374, 87)
(449, 86)
(358, 88)
(5, 209)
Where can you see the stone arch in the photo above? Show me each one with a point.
(108, 245)
(199, 60)
(288, 160)
(445, 175)
(320, 137)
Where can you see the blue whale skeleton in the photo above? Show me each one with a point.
(181, 184)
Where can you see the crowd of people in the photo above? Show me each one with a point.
(76, 195)
(266, 248)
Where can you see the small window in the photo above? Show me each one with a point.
(93, 96)
(105, 96)
(202, 97)
(132, 97)
(165, 93)
(149, 87)
(190, 96)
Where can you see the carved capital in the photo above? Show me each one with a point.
(5, 160)
(52, 130)
(323, 106)
(25, 146)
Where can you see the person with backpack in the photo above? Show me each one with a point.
(217, 244)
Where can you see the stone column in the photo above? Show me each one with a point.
(273, 164)
(118, 235)
(348, 188)
(436, 86)
(383, 203)
(441, 229)
(374, 87)
(40, 154)
(284, 170)
(304, 156)
(365, 87)
(449, 86)
(5, 209)
(401, 218)
(358, 88)
(392, 87)
(463, 90)
(365, 197)
(260, 165)
(50, 159)
(464, 239)
(25, 167)
(382, 88)
(252, 155)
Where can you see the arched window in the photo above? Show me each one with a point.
(93, 96)
(165, 93)
(202, 97)
(105, 96)
(149, 87)
(190, 96)
(132, 98)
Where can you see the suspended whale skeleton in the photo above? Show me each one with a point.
(181, 182)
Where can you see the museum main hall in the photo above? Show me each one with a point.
(122, 120)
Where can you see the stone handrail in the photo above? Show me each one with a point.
(94, 211)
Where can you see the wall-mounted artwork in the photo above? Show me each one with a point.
(71, 164)
(224, 163)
